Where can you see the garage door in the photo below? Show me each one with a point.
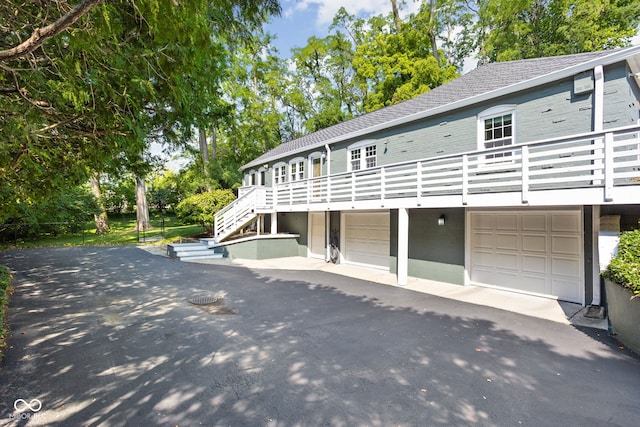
(316, 234)
(533, 251)
(366, 238)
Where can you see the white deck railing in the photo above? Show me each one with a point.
(597, 160)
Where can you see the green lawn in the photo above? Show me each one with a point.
(122, 232)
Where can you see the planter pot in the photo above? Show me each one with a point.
(624, 315)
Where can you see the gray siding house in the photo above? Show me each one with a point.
(511, 176)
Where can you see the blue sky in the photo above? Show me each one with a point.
(302, 19)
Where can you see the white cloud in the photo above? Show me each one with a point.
(327, 9)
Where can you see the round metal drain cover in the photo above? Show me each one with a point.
(204, 300)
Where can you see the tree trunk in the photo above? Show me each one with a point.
(102, 222)
(142, 208)
(214, 143)
(396, 16)
(432, 30)
(204, 148)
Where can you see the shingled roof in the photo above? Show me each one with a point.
(483, 83)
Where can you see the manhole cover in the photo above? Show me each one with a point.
(211, 304)
(204, 300)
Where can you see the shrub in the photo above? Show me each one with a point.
(201, 208)
(625, 266)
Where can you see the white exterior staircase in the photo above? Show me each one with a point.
(245, 209)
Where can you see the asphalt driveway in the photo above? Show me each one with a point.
(107, 337)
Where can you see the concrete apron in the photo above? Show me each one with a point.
(528, 305)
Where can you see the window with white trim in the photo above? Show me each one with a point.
(363, 157)
(279, 174)
(296, 170)
(496, 129)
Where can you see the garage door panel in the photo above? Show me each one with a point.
(535, 283)
(507, 222)
(568, 245)
(505, 279)
(565, 289)
(483, 259)
(484, 276)
(534, 243)
(507, 261)
(565, 223)
(543, 255)
(507, 241)
(534, 264)
(485, 240)
(483, 222)
(534, 222)
(565, 267)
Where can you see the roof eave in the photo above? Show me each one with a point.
(523, 85)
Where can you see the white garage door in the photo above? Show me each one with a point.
(531, 251)
(366, 238)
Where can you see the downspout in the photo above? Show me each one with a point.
(327, 214)
(598, 99)
(598, 126)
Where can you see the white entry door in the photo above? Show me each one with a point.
(532, 251)
(366, 238)
(316, 234)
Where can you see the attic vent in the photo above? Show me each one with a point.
(583, 83)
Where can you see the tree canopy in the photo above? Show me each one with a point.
(93, 96)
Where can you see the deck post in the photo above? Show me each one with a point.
(274, 222)
(403, 247)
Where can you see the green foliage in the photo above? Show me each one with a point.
(163, 192)
(521, 29)
(5, 293)
(120, 196)
(625, 266)
(201, 208)
(76, 205)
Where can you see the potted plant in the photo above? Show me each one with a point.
(622, 287)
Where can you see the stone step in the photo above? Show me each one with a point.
(184, 251)
(184, 254)
(210, 255)
(209, 241)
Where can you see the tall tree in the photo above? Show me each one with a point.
(93, 96)
(397, 66)
(324, 88)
